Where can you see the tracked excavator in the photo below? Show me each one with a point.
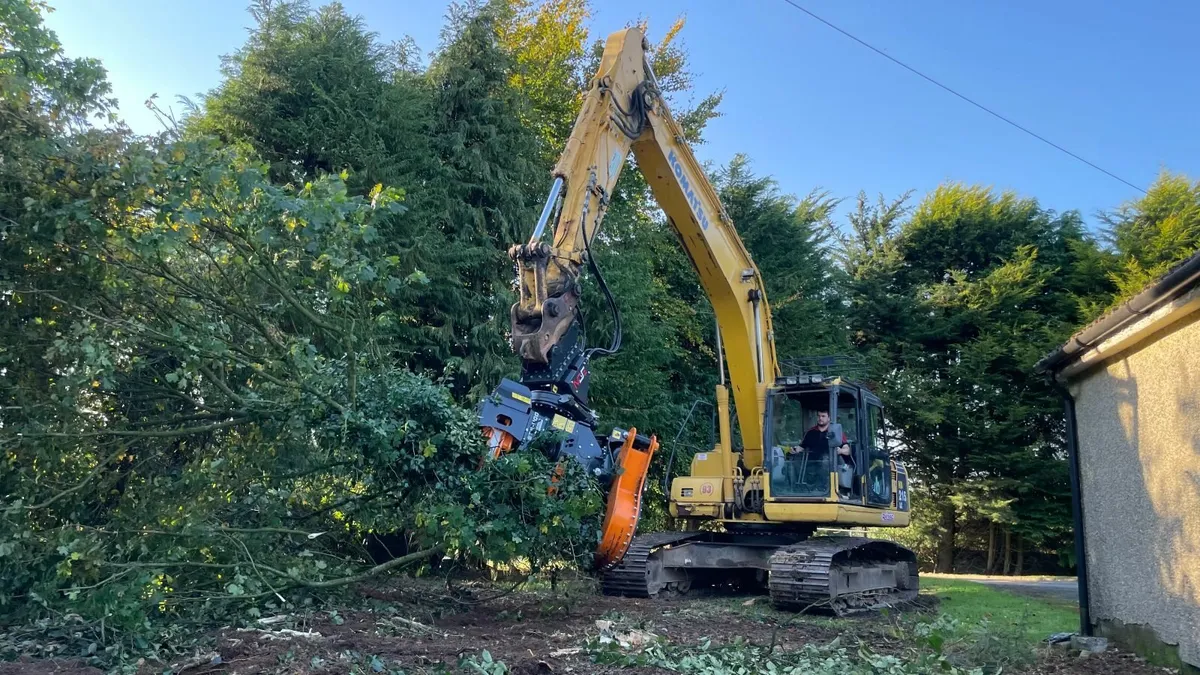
(812, 456)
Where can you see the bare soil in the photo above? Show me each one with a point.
(527, 632)
(532, 632)
(536, 633)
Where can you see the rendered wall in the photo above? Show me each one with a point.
(1139, 447)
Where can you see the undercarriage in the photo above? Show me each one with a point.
(830, 574)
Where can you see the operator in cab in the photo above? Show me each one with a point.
(813, 446)
(815, 440)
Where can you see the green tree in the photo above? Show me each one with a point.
(232, 374)
(955, 305)
(494, 181)
(1155, 232)
(315, 92)
(871, 257)
(46, 102)
(202, 408)
(547, 42)
(789, 241)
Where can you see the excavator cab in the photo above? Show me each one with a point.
(802, 467)
(801, 458)
(804, 464)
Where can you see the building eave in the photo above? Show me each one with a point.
(1162, 302)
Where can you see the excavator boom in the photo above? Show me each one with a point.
(624, 113)
(624, 110)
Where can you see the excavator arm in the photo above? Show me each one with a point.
(624, 111)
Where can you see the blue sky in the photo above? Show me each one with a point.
(1113, 82)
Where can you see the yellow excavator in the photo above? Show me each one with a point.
(812, 454)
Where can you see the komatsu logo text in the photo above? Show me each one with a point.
(688, 192)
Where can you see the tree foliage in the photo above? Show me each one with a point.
(315, 93)
(1152, 234)
(790, 241)
(207, 383)
(547, 44)
(233, 353)
(955, 304)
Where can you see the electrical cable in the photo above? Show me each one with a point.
(982, 107)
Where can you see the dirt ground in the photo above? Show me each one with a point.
(541, 633)
(531, 632)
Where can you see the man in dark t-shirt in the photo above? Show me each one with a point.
(813, 447)
(815, 439)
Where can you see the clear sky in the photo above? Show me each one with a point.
(1112, 81)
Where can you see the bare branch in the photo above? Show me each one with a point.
(395, 563)
(165, 433)
(74, 488)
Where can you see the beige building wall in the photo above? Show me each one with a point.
(1138, 419)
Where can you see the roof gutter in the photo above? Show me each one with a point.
(1170, 286)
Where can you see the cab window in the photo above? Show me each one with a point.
(879, 468)
(849, 468)
(799, 466)
(847, 415)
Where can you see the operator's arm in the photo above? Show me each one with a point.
(844, 448)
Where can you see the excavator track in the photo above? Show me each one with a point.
(636, 576)
(842, 575)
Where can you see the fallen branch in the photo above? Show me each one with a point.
(296, 582)
(283, 633)
(211, 658)
(395, 563)
(410, 623)
(74, 488)
(792, 618)
(416, 626)
(268, 620)
(165, 433)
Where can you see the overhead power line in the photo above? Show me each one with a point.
(982, 107)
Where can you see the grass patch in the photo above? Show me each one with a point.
(642, 649)
(985, 577)
(970, 603)
(975, 629)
